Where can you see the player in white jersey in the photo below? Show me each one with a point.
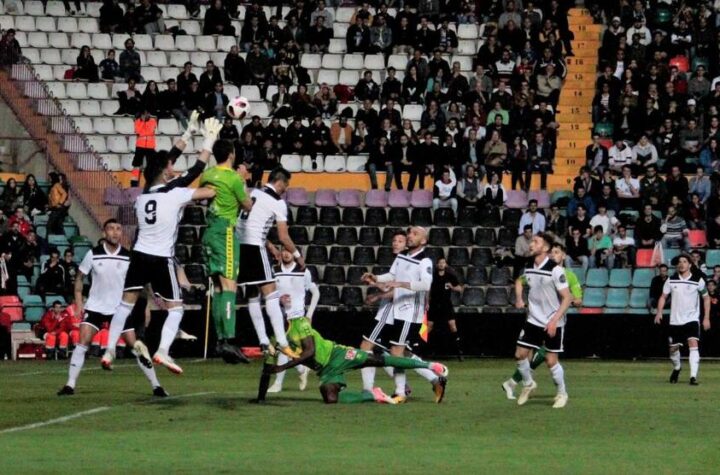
(295, 282)
(255, 267)
(548, 300)
(410, 278)
(159, 210)
(106, 265)
(685, 288)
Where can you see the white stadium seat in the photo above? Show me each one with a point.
(102, 41)
(271, 90)
(78, 40)
(109, 108)
(353, 61)
(126, 162)
(311, 61)
(165, 42)
(177, 12)
(337, 45)
(33, 55)
(118, 42)
(309, 167)
(467, 31)
(334, 163)
(348, 77)
(50, 56)
(156, 58)
(332, 61)
(251, 93)
(185, 43)
(103, 125)
(57, 89)
(97, 143)
(90, 108)
(151, 73)
(398, 61)
(199, 58)
(180, 164)
(6, 22)
(21, 38)
(43, 71)
(37, 39)
(83, 124)
(67, 25)
(93, 9)
(117, 144)
(163, 142)
(77, 90)
(142, 42)
(412, 111)
(68, 56)
(291, 163)
(168, 73)
(59, 71)
(45, 24)
(97, 91)
(231, 90)
(344, 14)
(218, 57)
(88, 25)
(25, 23)
(206, 43)
(124, 126)
(224, 43)
(111, 162)
(168, 127)
(465, 62)
(327, 76)
(34, 8)
(261, 109)
(375, 61)
(177, 59)
(340, 30)
(58, 40)
(356, 163)
(466, 47)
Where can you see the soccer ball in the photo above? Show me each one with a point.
(238, 108)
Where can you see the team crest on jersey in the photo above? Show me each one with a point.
(563, 279)
(350, 354)
(429, 270)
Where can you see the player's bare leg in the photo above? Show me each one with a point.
(522, 357)
(558, 375)
(676, 362)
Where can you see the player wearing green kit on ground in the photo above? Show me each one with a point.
(331, 361)
(558, 255)
(220, 243)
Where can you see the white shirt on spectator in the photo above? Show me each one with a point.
(624, 189)
(446, 189)
(617, 158)
(643, 31)
(626, 241)
(537, 221)
(605, 221)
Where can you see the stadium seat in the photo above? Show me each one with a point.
(355, 273)
(307, 216)
(352, 217)
(50, 56)
(329, 296)
(639, 297)
(101, 125)
(542, 197)
(594, 297)
(643, 277)
(117, 144)
(187, 235)
(309, 164)
(412, 111)
(351, 297)
(399, 217)
(697, 238)
(340, 255)
(375, 216)
(516, 199)
(421, 217)
(489, 217)
(346, 236)
(316, 255)
(329, 216)
(399, 199)
(311, 61)
(444, 217)
(206, 43)
(56, 89)
(597, 278)
(481, 257)
(670, 255)
(334, 275)
(476, 276)
(323, 236)
(643, 258)
(299, 235)
(356, 163)
(439, 237)
(332, 61)
(617, 298)
(385, 256)
(435, 253)
(561, 197)
(462, 237)
(352, 61)
(500, 276)
(326, 198)
(45, 24)
(292, 163)
(363, 256)
(334, 163)
(349, 198)
(328, 76)
(60, 41)
(369, 236)
(297, 197)
(497, 297)
(712, 257)
(620, 278)
(507, 237)
(458, 257)
(485, 237)
(376, 199)
(421, 198)
(194, 215)
(468, 217)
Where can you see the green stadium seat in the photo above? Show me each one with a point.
(41, 231)
(671, 254)
(579, 274)
(604, 128)
(561, 197)
(40, 219)
(79, 239)
(639, 297)
(643, 277)
(21, 327)
(597, 278)
(700, 61)
(593, 298)
(70, 230)
(663, 16)
(80, 250)
(34, 314)
(22, 280)
(712, 258)
(23, 291)
(636, 311)
(53, 297)
(617, 298)
(620, 278)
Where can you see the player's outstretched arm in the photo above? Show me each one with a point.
(192, 128)
(519, 285)
(314, 299)
(308, 352)
(203, 194)
(287, 242)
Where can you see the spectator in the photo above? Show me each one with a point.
(367, 88)
(362, 139)
(235, 68)
(495, 152)
(433, 120)
(229, 131)
(8, 273)
(523, 256)
(380, 160)
(677, 184)
(652, 188)
(580, 221)
(318, 37)
(427, 151)
(216, 103)
(320, 141)
(469, 191)
(110, 69)
(11, 197)
(697, 263)
(5, 339)
(381, 38)
(52, 276)
(700, 185)
(691, 137)
(518, 164)
(647, 229)
(548, 86)
(532, 217)
(130, 61)
(581, 198)
(674, 228)
(403, 154)
(430, 9)
(628, 189)
(86, 68)
(624, 248)
(193, 99)
(20, 218)
(145, 128)
(425, 39)
(56, 329)
(391, 87)
(577, 250)
(585, 180)
(34, 198)
(281, 103)
(555, 222)
(413, 87)
(209, 78)
(111, 17)
(540, 155)
(605, 221)
(217, 20)
(444, 191)
(10, 52)
(186, 78)
(130, 100)
(150, 98)
(71, 269)
(620, 155)
(247, 153)
(656, 286)
(170, 104)
(321, 11)
(357, 39)
(494, 192)
(58, 203)
(601, 249)
(644, 152)
(258, 65)
(149, 18)
(341, 135)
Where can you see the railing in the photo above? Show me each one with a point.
(69, 150)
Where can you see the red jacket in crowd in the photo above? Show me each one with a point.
(53, 323)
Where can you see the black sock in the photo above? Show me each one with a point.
(264, 382)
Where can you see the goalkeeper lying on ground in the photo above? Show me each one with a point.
(331, 361)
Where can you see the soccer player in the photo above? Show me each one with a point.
(332, 361)
(558, 255)
(548, 300)
(256, 272)
(221, 245)
(106, 265)
(159, 209)
(445, 282)
(410, 278)
(294, 281)
(685, 289)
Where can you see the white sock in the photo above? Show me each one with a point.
(390, 371)
(400, 382)
(76, 363)
(302, 369)
(280, 377)
(149, 374)
(277, 321)
(511, 382)
(424, 372)
(558, 376)
(117, 324)
(368, 378)
(170, 329)
(258, 321)
(524, 368)
(675, 358)
(694, 358)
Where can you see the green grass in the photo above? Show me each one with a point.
(621, 418)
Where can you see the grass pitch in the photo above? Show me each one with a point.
(621, 418)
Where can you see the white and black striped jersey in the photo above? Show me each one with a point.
(294, 282)
(409, 305)
(107, 273)
(268, 207)
(544, 282)
(159, 211)
(685, 297)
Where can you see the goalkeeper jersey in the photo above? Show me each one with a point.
(230, 192)
(575, 288)
(300, 329)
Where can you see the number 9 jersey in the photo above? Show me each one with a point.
(159, 211)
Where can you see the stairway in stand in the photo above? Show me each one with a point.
(576, 98)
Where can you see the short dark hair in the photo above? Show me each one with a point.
(558, 246)
(279, 173)
(222, 149)
(662, 266)
(56, 302)
(527, 227)
(598, 228)
(399, 232)
(547, 238)
(532, 201)
(155, 167)
(109, 222)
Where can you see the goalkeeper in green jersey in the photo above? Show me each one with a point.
(222, 251)
(331, 361)
(557, 254)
